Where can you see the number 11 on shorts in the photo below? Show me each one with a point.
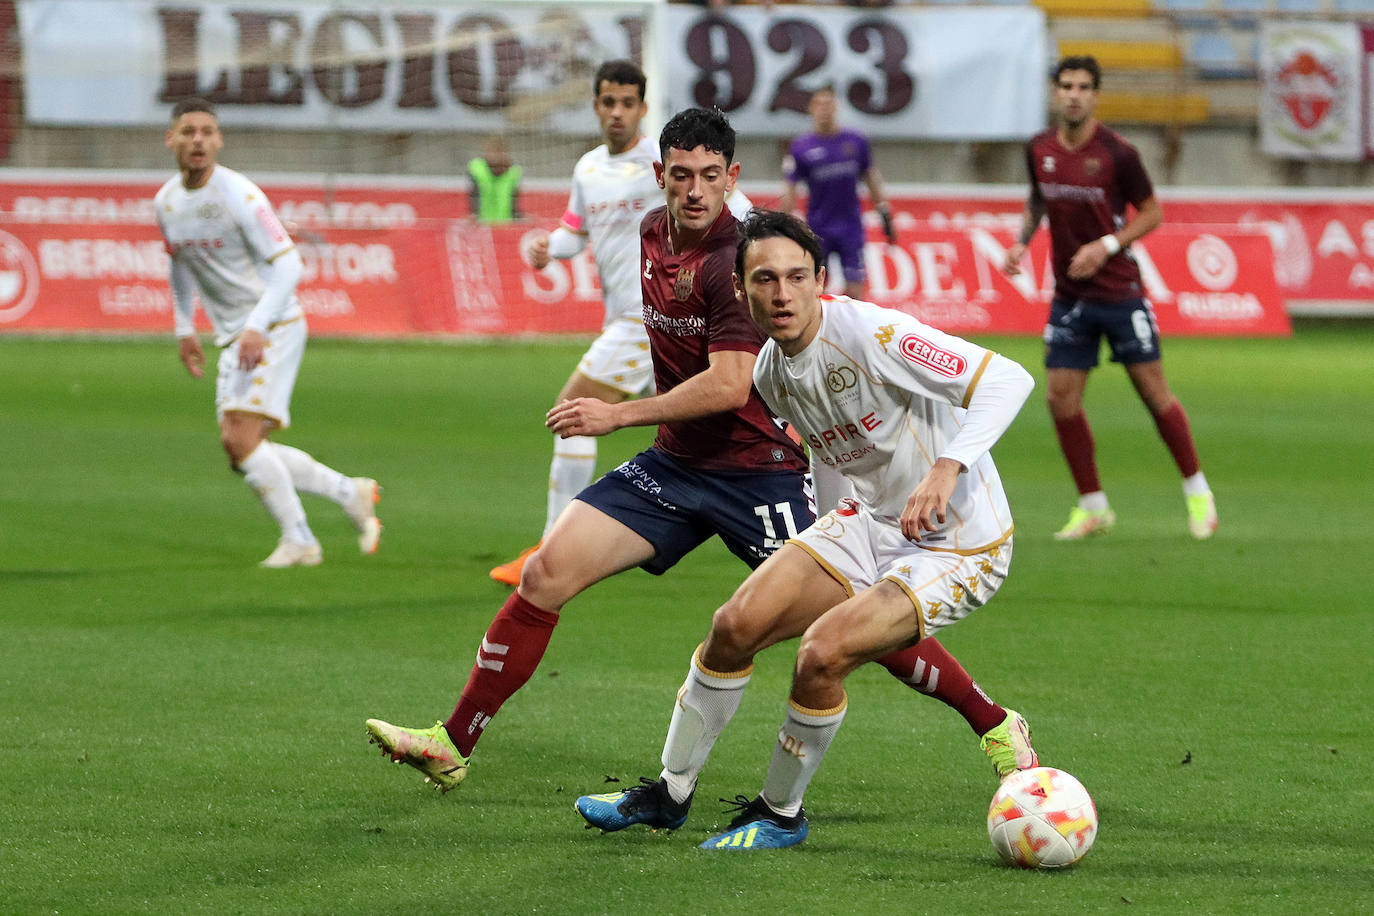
(770, 530)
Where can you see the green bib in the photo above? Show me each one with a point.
(495, 193)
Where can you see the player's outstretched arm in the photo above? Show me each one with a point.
(723, 386)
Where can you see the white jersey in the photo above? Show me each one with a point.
(879, 396)
(225, 233)
(610, 196)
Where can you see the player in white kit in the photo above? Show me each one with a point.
(907, 414)
(613, 187)
(227, 246)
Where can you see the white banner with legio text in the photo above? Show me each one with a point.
(960, 73)
(323, 65)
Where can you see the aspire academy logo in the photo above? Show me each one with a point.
(18, 279)
(940, 361)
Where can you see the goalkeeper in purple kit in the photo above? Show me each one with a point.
(831, 161)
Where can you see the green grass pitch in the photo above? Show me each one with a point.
(183, 732)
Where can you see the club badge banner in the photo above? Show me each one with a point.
(1314, 97)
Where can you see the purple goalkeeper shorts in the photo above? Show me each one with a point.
(849, 245)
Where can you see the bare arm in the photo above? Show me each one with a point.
(562, 243)
(183, 285)
(1030, 221)
(725, 385)
(874, 179)
(788, 202)
(1089, 259)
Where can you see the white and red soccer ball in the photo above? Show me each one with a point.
(1042, 818)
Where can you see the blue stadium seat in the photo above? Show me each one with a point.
(1215, 54)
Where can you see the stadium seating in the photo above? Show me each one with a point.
(1142, 54)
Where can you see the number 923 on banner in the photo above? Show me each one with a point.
(962, 73)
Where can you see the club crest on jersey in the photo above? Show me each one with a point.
(838, 378)
(1047, 163)
(208, 211)
(682, 286)
(1092, 166)
(924, 353)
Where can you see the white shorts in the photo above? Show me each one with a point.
(267, 389)
(620, 358)
(944, 585)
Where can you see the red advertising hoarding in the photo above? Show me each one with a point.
(392, 258)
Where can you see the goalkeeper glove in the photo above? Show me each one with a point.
(885, 213)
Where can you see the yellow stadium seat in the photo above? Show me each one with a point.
(1132, 9)
(1127, 55)
(1141, 108)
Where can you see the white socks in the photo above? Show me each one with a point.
(802, 742)
(1196, 485)
(705, 705)
(309, 476)
(574, 463)
(1093, 502)
(267, 474)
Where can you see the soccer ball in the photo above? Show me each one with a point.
(1042, 818)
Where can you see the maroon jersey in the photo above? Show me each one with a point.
(690, 311)
(1085, 192)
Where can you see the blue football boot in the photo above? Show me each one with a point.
(758, 826)
(648, 803)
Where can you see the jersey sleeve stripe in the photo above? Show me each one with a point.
(572, 221)
(968, 394)
(273, 257)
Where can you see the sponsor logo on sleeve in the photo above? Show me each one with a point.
(940, 361)
(271, 225)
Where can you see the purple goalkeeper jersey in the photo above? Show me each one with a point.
(831, 167)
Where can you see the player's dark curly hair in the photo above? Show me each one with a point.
(190, 104)
(1080, 62)
(622, 72)
(769, 224)
(693, 127)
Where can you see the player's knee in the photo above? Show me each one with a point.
(1063, 404)
(1159, 404)
(235, 448)
(822, 658)
(736, 633)
(542, 584)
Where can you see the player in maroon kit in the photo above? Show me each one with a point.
(721, 464)
(1082, 176)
